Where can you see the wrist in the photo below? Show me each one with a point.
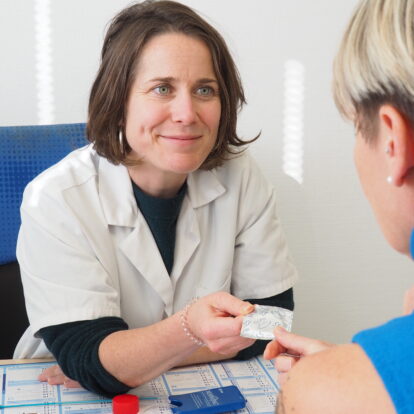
(186, 326)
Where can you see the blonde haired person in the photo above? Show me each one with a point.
(374, 88)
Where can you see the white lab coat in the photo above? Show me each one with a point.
(85, 250)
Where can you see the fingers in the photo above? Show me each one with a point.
(217, 320)
(298, 345)
(282, 377)
(222, 327)
(68, 383)
(228, 303)
(230, 345)
(283, 363)
(273, 349)
(50, 372)
(55, 376)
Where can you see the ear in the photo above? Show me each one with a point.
(398, 137)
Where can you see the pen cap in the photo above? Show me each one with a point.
(125, 404)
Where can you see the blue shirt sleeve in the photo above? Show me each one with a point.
(390, 347)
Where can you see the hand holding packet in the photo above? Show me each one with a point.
(260, 323)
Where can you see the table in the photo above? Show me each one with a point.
(256, 379)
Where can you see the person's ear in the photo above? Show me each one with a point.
(398, 138)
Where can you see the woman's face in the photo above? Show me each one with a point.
(173, 109)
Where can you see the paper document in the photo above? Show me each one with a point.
(256, 379)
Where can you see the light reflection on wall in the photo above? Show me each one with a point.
(294, 96)
(44, 68)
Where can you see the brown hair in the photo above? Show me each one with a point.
(127, 34)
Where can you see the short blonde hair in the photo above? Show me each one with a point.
(375, 63)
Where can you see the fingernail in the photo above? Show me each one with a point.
(247, 309)
(280, 329)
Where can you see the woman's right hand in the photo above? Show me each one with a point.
(288, 348)
(216, 319)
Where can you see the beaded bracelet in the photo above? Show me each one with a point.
(184, 323)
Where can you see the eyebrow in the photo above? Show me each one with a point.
(170, 79)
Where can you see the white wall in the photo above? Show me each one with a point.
(350, 278)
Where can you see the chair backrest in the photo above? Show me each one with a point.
(13, 319)
(25, 151)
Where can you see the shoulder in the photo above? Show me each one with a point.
(390, 349)
(239, 164)
(242, 172)
(76, 168)
(341, 379)
(72, 169)
(44, 198)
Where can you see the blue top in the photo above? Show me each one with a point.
(390, 348)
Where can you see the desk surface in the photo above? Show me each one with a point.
(23, 361)
(256, 379)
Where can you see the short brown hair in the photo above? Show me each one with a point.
(127, 34)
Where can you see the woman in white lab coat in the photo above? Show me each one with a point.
(119, 237)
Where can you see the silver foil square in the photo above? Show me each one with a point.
(263, 320)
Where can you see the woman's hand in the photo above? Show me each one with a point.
(217, 319)
(288, 348)
(55, 376)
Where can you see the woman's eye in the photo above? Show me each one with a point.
(205, 91)
(162, 90)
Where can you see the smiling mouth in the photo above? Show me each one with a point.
(181, 137)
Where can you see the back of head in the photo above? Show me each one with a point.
(375, 63)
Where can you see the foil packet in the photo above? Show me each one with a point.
(260, 323)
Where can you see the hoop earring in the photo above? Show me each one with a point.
(121, 141)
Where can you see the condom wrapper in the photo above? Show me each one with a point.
(260, 323)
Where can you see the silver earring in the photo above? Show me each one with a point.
(389, 179)
(121, 140)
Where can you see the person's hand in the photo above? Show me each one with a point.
(288, 348)
(217, 319)
(409, 301)
(55, 376)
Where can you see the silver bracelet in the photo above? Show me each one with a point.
(184, 323)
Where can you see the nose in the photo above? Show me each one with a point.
(183, 109)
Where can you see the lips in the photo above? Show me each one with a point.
(181, 137)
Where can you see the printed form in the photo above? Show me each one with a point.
(256, 379)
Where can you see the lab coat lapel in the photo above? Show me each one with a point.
(187, 238)
(203, 187)
(120, 209)
(142, 251)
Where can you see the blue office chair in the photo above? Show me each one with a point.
(25, 151)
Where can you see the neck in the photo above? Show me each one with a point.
(159, 184)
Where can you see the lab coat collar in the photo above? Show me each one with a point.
(117, 196)
(203, 187)
(120, 209)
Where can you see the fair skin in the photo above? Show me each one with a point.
(173, 114)
(343, 374)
